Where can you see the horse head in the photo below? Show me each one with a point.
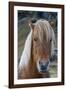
(43, 44)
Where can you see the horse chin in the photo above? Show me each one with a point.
(43, 71)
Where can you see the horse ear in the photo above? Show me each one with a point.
(52, 23)
(31, 25)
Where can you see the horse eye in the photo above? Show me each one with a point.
(35, 39)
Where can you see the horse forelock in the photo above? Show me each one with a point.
(46, 29)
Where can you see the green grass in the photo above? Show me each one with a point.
(53, 71)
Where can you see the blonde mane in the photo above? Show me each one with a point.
(26, 52)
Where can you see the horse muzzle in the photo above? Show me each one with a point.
(43, 66)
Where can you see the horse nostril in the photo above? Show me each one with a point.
(40, 62)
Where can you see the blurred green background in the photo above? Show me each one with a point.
(23, 31)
